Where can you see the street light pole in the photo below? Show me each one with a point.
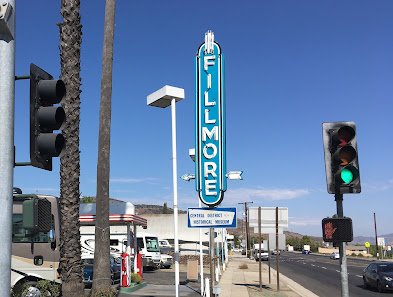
(163, 98)
(175, 208)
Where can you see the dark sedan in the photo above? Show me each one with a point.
(88, 270)
(379, 275)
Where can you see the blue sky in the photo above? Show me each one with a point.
(290, 66)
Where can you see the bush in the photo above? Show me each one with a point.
(135, 278)
(243, 266)
(353, 255)
(46, 287)
(360, 255)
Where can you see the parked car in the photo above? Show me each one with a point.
(88, 270)
(306, 252)
(335, 255)
(166, 261)
(274, 252)
(379, 275)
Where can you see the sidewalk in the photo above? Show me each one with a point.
(236, 281)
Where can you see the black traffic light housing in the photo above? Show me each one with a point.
(37, 215)
(337, 230)
(45, 118)
(341, 157)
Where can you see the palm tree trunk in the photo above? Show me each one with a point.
(102, 231)
(71, 268)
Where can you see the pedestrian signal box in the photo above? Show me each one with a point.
(337, 229)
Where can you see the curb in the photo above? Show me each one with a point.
(133, 288)
(294, 286)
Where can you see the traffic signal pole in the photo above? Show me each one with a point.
(342, 250)
(7, 107)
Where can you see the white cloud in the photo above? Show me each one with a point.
(265, 194)
(304, 222)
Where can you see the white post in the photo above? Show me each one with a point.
(223, 249)
(128, 251)
(201, 255)
(135, 251)
(7, 107)
(175, 209)
(207, 288)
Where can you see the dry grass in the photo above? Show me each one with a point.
(243, 266)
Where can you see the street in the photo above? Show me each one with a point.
(321, 275)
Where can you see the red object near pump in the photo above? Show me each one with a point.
(124, 270)
(139, 265)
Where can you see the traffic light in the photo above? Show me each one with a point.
(45, 118)
(337, 230)
(341, 157)
(37, 215)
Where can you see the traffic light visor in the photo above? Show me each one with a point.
(51, 91)
(51, 145)
(345, 134)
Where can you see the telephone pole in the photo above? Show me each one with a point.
(247, 241)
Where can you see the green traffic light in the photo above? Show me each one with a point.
(346, 176)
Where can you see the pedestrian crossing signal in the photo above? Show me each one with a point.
(337, 230)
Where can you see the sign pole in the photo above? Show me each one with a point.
(342, 250)
(211, 260)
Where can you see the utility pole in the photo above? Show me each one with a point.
(376, 236)
(7, 107)
(247, 241)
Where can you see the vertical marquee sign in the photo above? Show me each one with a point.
(210, 160)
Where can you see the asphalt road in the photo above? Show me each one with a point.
(321, 275)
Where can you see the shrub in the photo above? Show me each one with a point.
(135, 278)
(243, 266)
(353, 255)
(360, 255)
(46, 287)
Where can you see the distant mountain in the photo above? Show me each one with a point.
(141, 209)
(371, 240)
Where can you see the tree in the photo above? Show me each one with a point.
(88, 199)
(71, 265)
(102, 231)
(165, 209)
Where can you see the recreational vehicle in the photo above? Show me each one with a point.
(35, 249)
(147, 243)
